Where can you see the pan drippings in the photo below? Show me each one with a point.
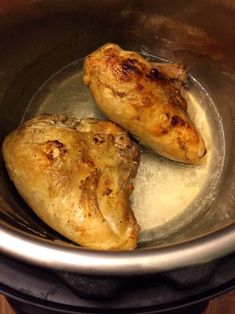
(167, 195)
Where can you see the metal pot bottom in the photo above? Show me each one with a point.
(168, 196)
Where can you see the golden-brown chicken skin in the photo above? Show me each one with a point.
(133, 93)
(76, 175)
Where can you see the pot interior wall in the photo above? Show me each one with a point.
(38, 38)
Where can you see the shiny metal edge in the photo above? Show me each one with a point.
(138, 262)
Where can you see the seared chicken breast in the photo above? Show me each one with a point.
(76, 175)
(142, 98)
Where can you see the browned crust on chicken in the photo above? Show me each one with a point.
(142, 99)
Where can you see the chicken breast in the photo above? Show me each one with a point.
(133, 93)
(76, 175)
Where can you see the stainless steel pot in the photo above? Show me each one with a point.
(38, 38)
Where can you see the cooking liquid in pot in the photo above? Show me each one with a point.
(167, 195)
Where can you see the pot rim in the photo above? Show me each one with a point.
(116, 263)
